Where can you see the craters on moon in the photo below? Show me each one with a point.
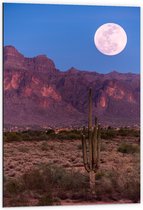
(110, 39)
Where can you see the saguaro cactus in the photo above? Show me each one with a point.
(91, 146)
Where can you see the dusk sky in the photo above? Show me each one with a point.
(65, 34)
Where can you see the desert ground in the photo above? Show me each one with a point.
(51, 172)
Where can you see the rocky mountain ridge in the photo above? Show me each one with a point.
(36, 93)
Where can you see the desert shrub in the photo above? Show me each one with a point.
(18, 201)
(65, 184)
(128, 148)
(70, 184)
(69, 135)
(108, 134)
(48, 183)
(104, 188)
(37, 135)
(128, 132)
(34, 180)
(5, 136)
(114, 185)
(50, 132)
(12, 136)
(136, 133)
(75, 181)
(25, 136)
(66, 180)
(13, 186)
(132, 190)
(49, 177)
(34, 135)
(99, 175)
(30, 135)
(48, 200)
(111, 133)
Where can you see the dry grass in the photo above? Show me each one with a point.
(27, 183)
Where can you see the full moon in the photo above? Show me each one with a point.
(110, 39)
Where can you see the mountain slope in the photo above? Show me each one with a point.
(36, 93)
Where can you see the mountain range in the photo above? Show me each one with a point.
(37, 93)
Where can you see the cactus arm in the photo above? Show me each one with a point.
(94, 139)
(90, 149)
(87, 167)
(98, 146)
(94, 150)
(84, 149)
(90, 111)
(90, 128)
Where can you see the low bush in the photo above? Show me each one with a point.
(111, 133)
(35, 180)
(69, 135)
(48, 200)
(128, 132)
(64, 180)
(128, 148)
(18, 201)
(108, 134)
(113, 185)
(34, 135)
(132, 190)
(12, 136)
(49, 183)
(29, 135)
(99, 175)
(13, 186)
(50, 132)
